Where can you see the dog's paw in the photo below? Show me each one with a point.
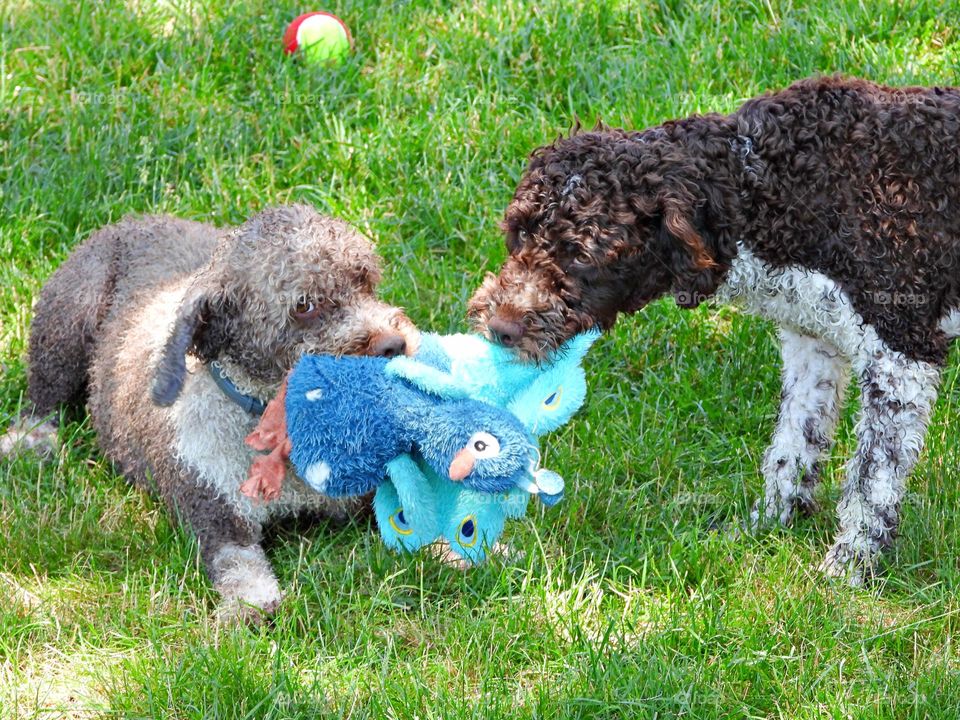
(767, 514)
(30, 434)
(779, 511)
(442, 551)
(251, 605)
(844, 563)
(235, 611)
(249, 591)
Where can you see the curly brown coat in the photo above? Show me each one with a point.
(853, 179)
(831, 207)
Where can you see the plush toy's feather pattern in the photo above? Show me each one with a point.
(470, 522)
(543, 397)
(412, 521)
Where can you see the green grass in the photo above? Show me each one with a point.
(625, 603)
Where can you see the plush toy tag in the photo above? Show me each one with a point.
(550, 486)
(546, 485)
(548, 482)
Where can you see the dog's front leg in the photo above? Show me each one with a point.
(897, 397)
(815, 377)
(231, 552)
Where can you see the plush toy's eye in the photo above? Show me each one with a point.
(399, 523)
(467, 534)
(553, 399)
(483, 445)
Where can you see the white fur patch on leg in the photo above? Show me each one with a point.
(897, 398)
(246, 583)
(815, 378)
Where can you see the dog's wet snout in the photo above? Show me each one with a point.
(388, 345)
(506, 332)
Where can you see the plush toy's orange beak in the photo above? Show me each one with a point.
(462, 465)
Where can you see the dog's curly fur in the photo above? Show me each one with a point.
(129, 322)
(832, 207)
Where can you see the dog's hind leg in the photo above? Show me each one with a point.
(62, 335)
(897, 397)
(66, 318)
(815, 377)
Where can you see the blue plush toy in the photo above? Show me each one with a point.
(542, 396)
(347, 419)
(446, 437)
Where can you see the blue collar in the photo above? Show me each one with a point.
(252, 405)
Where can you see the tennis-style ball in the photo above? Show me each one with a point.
(320, 37)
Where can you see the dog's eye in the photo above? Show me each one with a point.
(483, 445)
(306, 309)
(582, 264)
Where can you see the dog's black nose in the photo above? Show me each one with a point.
(388, 345)
(505, 332)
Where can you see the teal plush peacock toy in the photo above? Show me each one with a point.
(542, 397)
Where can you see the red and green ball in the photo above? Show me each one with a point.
(318, 37)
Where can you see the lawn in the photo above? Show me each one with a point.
(624, 600)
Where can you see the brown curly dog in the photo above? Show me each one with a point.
(831, 208)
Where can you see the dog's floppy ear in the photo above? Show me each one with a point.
(172, 367)
(201, 325)
(678, 221)
(692, 262)
(206, 323)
